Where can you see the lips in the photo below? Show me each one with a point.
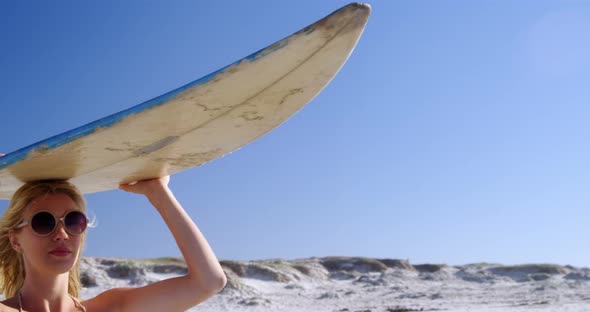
(60, 251)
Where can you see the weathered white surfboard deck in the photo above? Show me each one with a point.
(198, 122)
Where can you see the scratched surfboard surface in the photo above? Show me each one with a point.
(198, 122)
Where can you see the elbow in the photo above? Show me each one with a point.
(216, 284)
(212, 284)
(219, 282)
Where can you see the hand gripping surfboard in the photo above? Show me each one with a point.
(198, 122)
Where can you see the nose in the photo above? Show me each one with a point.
(60, 232)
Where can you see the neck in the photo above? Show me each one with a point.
(46, 293)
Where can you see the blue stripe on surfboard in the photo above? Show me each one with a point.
(82, 131)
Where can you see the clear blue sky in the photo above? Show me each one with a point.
(457, 132)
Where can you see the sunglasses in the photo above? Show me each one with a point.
(43, 223)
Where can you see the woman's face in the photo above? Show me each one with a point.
(56, 253)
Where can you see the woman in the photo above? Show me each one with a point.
(41, 237)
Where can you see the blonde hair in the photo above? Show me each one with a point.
(12, 270)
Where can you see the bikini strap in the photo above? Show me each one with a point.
(78, 304)
(20, 302)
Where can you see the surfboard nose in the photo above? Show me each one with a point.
(354, 8)
(357, 9)
(359, 12)
(361, 6)
(350, 18)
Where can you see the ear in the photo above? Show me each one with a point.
(14, 241)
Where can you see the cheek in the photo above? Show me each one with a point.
(32, 246)
(76, 242)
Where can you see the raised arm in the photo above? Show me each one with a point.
(205, 276)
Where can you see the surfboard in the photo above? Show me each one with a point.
(198, 122)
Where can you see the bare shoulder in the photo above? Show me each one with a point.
(109, 300)
(8, 305)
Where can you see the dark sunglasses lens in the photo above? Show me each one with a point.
(75, 222)
(43, 223)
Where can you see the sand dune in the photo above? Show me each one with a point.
(362, 284)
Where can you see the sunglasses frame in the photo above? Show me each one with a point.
(57, 221)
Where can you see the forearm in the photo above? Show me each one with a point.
(203, 267)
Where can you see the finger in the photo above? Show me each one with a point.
(128, 184)
(127, 187)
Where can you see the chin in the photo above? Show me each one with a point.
(59, 269)
(60, 265)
